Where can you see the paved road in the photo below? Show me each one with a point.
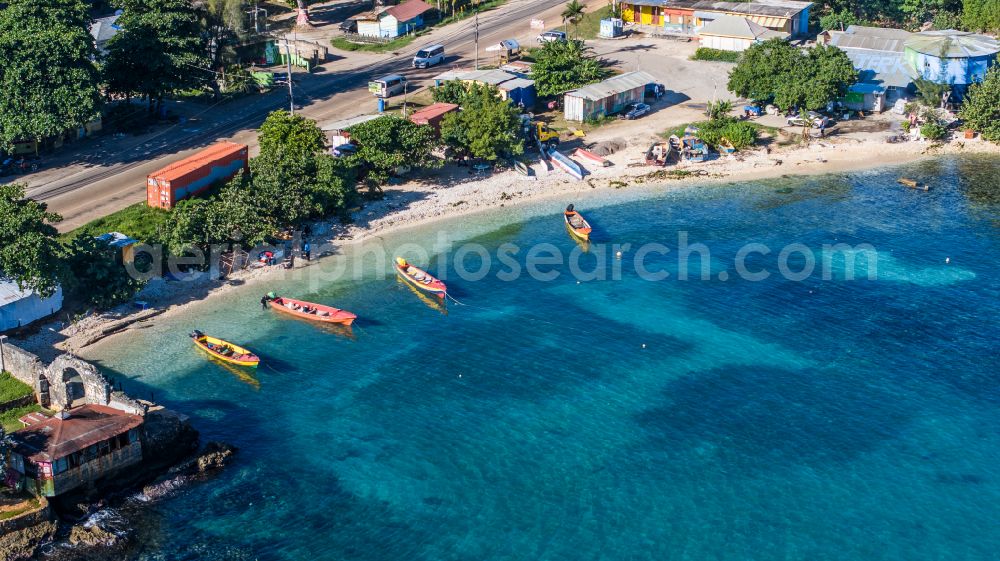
(87, 189)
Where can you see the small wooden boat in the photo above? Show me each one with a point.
(675, 143)
(310, 311)
(576, 224)
(694, 149)
(420, 279)
(590, 156)
(562, 162)
(912, 184)
(659, 154)
(522, 168)
(726, 147)
(224, 350)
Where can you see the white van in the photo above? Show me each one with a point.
(387, 86)
(429, 56)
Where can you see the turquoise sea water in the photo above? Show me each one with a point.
(618, 419)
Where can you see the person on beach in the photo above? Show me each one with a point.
(307, 249)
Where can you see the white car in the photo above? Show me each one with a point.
(551, 37)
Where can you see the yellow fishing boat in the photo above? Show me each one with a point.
(224, 350)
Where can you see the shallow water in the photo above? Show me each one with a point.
(618, 419)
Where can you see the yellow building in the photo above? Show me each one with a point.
(688, 16)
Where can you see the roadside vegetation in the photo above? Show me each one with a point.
(561, 66)
(589, 26)
(718, 55)
(779, 73)
(346, 44)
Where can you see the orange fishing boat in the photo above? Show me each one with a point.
(579, 227)
(310, 311)
(420, 279)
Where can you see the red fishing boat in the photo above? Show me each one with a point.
(420, 279)
(310, 310)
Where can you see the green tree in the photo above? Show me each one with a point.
(719, 109)
(224, 22)
(981, 15)
(235, 215)
(775, 71)
(930, 93)
(290, 136)
(920, 11)
(981, 109)
(96, 273)
(29, 251)
(159, 49)
(47, 76)
(389, 143)
(573, 13)
(488, 126)
(839, 20)
(188, 226)
(451, 91)
(561, 66)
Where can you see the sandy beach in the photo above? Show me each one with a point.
(455, 191)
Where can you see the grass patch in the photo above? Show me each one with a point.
(11, 388)
(27, 506)
(344, 44)
(139, 221)
(9, 419)
(718, 55)
(589, 26)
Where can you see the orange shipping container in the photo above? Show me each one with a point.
(194, 174)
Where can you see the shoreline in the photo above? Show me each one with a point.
(419, 203)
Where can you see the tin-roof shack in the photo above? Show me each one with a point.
(76, 447)
(607, 97)
(877, 55)
(196, 173)
(433, 114)
(513, 87)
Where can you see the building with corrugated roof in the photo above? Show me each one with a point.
(956, 58)
(606, 98)
(19, 307)
(514, 88)
(732, 33)
(877, 54)
(393, 21)
(76, 447)
(687, 16)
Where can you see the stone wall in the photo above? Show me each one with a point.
(66, 382)
(27, 368)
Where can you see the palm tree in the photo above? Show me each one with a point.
(573, 13)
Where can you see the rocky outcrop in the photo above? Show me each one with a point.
(214, 456)
(20, 545)
(167, 438)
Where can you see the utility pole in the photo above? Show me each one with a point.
(288, 64)
(477, 36)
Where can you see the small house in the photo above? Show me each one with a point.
(732, 33)
(877, 54)
(433, 114)
(76, 447)
(956, 58)
(515, 88)
(19, 307)
(688, 16)
(607, 97)
(394, 21)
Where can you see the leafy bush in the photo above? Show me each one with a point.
(740, 133)
(981, 110)
(561, 66)
(933, 131)
(705, 53)
(97, 276)
(450, 91)
(930, 93)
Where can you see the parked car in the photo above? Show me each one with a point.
(551, 36)
(429, 56)
(349, 26)
(811, 118)
(634, 111)
(344, 150)
(387, 86)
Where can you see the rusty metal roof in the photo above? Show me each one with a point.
(408, 10)
(84, 426)
(613, 86)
